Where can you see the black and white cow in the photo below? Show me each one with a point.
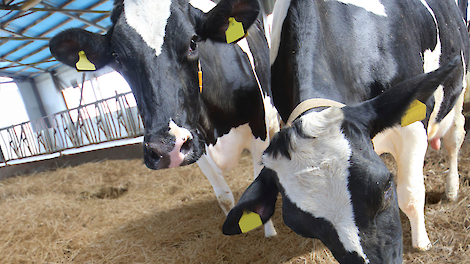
(159, 46)
(334, 186)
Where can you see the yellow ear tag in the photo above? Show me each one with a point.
(83, 63)
(416, 112)
(249, 221)
(234, 31)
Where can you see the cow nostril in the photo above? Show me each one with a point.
(186, 147)
(155, 153)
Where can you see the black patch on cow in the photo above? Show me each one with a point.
(306, 225)
(257, 43)
(373, 197)
(117, 10)
(231, 95)
(281, 144)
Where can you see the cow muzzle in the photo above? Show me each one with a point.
(175, 148)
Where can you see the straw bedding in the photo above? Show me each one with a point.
(122, 212)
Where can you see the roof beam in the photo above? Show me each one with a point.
(52, 9)
(64, 22)
(11, 32)
(18, 35)
(45, 33)
(34, 23)
(13, 75)
(28, 4)
(79, 19)
(25, 65)
(24, 38)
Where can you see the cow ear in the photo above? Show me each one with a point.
(74, 45)
(256, 206)
(229, 20)
(387, 109)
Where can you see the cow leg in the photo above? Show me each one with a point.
(216, 178)
(408, 146)
(453, 140)
(224, 156)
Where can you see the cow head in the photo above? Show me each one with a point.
(154, 45)
(334, 186)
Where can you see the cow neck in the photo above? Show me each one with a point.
(243, 44)
(310, 104)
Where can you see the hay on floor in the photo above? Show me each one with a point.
(122, 212)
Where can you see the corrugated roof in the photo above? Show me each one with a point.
(26, 27)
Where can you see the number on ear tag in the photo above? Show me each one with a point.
(249, 221)
(416, 112)
(83, 63)
(234, 31)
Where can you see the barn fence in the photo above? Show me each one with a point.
(102, 121)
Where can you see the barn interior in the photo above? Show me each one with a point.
(68, 113)
(73, 187)
(63, 126)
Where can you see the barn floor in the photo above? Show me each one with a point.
(118, 211)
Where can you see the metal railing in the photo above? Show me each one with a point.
(105, 120)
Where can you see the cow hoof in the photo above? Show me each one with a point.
(425, 247)
(269, 230)
(271, 233)
(452, 196)
(452, 191)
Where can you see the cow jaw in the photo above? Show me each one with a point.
(315, 178)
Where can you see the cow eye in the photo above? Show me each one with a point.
(192, 45)
(116, 58)
(192, 49)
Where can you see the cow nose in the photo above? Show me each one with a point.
(156, 155)
(168, 153)
(157, 150)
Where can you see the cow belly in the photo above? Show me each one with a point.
(227, 149)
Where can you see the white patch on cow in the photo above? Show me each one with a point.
(431, 57)
(437, 131)
(316, 177)
(228, 147)
(149, 19)
(204, 5)
(243, 44)
(268, 26)
(279, 15)
(373, 6)
(181, 136)
(431, 62)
